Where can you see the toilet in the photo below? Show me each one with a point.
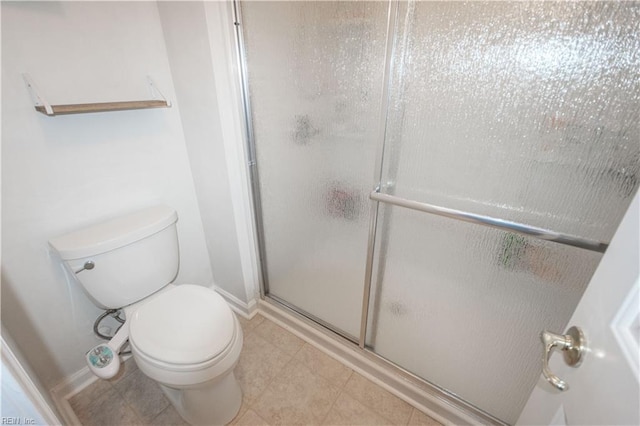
(185, 337)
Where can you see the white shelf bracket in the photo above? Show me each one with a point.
(155, 92)
(37, 98)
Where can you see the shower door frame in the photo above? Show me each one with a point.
(255, 179)
(377, 197)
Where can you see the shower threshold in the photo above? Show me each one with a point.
(440, 404)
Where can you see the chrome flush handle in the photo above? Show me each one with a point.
(88, 265)
(573, 346)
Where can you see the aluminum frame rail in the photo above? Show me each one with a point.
(505, 225)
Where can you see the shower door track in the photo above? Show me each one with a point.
(311, 317)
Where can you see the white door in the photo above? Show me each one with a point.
(604, 390)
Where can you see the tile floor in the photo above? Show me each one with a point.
(285, 382)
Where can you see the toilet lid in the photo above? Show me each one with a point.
(189, 324)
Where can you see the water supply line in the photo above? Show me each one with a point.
(115, 314)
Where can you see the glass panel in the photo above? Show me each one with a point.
(526, 111)
(315, 74)
(463, 305)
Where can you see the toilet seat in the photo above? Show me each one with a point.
(186, 326)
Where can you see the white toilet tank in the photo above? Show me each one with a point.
(133, 256)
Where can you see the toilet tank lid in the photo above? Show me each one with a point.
(114, 233)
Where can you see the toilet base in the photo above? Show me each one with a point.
(215, 403)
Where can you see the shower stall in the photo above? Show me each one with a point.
(436, 182)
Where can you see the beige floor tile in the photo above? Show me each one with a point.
(349, 411)
(126, 368)
(259, 363)
(108, 410)
(284, 381)
(100, 386)
(249, 325)
(296, 397)
(279, 337)
(419, 418)
(323, 365)
(382, 402)
(250, 418)
(90, 393)
(143, 395)
(168, 417)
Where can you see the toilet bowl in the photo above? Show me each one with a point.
(185, 337)
(189, 341)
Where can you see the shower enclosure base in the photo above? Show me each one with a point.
(434, 401)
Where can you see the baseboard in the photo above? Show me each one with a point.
(246, 310)
(373, 369)
(69, 387)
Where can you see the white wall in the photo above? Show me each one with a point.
(188, 46)
(60, 173)
(225, 60)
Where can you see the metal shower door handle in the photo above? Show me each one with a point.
(573, 346)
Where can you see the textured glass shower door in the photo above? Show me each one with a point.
(522, 111)
(315, 72)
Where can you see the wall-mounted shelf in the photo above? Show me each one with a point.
(41, 105)
(101, 107)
